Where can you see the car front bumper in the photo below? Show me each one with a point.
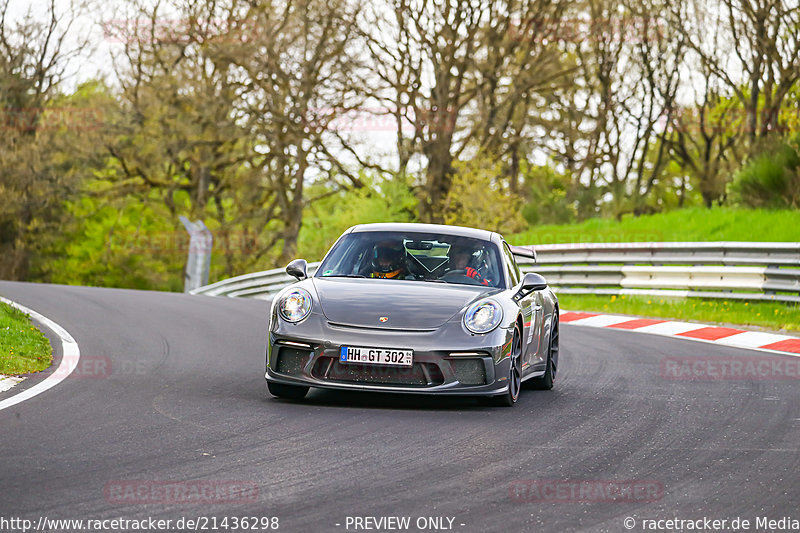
(447, 360)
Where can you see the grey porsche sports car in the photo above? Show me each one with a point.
(414, 308)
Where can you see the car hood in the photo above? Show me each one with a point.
(411, 305)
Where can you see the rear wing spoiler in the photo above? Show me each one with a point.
(524, 251)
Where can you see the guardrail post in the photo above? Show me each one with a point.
(198, 261)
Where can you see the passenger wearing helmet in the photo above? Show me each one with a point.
(460, 257)
(388, 260)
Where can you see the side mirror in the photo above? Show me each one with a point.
(533, 282)
(298, 269)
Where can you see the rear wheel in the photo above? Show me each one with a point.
(509, 398)
(547, 381)
(290, 392)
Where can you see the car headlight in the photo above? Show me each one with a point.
(482, 317)
(295, 305)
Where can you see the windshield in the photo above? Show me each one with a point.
(414, 256)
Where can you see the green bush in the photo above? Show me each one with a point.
(127, 244)
(770, 180)
(326, 218)
(548, 196)
(478, 197)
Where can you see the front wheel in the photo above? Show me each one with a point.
(510, 397)
(290, 392)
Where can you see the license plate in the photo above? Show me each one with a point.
(376, 356)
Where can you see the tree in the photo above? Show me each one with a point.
(234, 111)
(707, 140)
(461, 73)
(42, 158)
(179, 139)
(606, 123)
(478, 197)
(299, 73)
(752, 47)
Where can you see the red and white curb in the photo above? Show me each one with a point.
(738, 338)
(70, 355)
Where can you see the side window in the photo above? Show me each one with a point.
(511, 266)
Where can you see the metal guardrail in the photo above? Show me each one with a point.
(256, 285)
(732, 270)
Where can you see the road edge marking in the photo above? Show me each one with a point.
(679, 330)
(70, 355)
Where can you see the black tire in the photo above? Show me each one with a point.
(510, 397)
(546, 381)
(290, 392)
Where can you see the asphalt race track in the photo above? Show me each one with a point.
(175, 392)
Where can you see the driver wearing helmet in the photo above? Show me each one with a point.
(460, 257)
(388, 260)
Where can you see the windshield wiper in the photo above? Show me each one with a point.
(435, 280)
(344, 276)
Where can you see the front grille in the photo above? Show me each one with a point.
(338, 325)
(291, 360)
(419, 374)
(469, 371)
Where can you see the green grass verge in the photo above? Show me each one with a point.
(23, 348)
(770, 315)
(682, 225)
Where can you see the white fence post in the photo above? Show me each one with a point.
(198, 261)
